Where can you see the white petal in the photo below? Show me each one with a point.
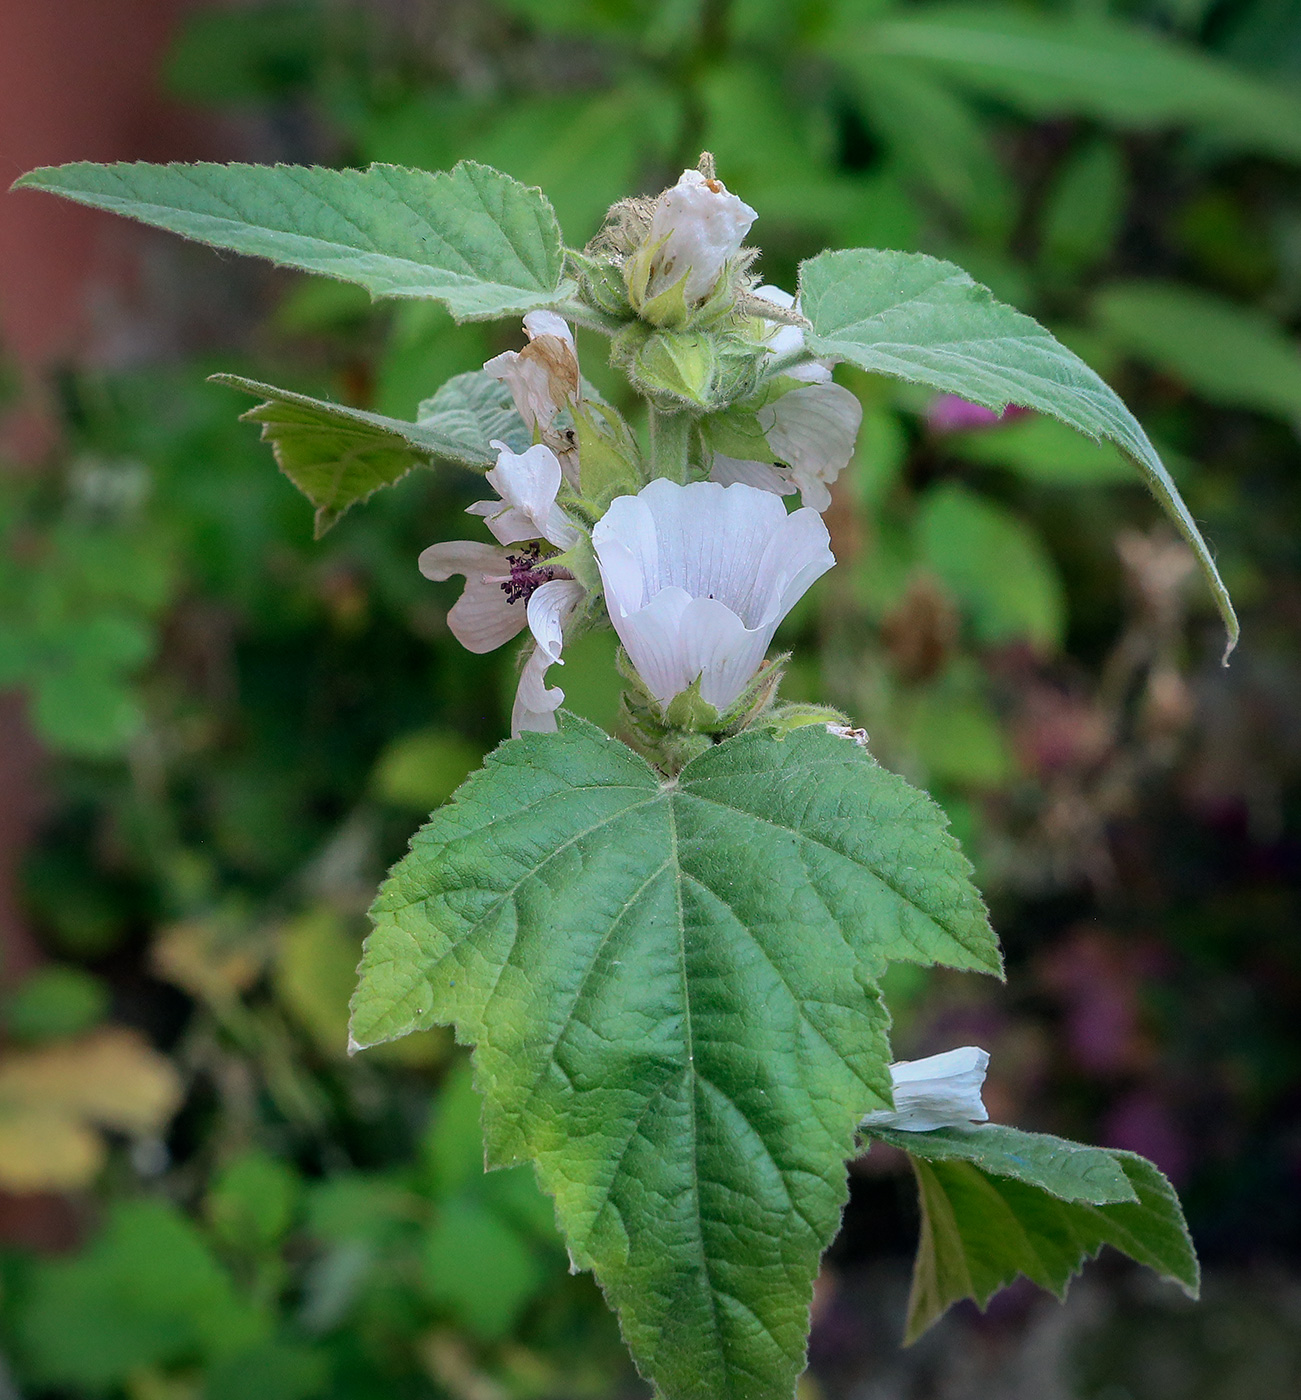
(535, 704)
(704, 226)
(530, 386)
(764, 476)
(788, 340)
(813, 430)
(941, 1091)
(481, 619)
(527, 483)
(549, 609)
(538, 323)
(698, 577)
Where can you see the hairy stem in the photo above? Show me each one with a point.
(670, 434)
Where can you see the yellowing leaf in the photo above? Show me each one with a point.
(210, 959)
(42, 1151)
(50, 1100)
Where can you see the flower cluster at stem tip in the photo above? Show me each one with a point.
(684, 545)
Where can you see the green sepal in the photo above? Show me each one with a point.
(677, 366)
(782, 720)
(669, 310)
(736, 433)
(580, 560)
(609, 459)
(669, 735)
(601, 285)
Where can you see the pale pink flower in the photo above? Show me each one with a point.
(698, 577)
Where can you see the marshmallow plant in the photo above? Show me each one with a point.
(666, 945)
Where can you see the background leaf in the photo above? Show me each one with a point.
(1228, 353)
(959, 533)
(717, 1178)
(1090, 65)
(473, 238)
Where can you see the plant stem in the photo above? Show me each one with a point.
(670, 434)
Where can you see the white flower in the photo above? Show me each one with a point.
(941, 1091)
(702, 227)
(698, 577)
(786, 340)
(506, 591)
(811, 431)
(543, 377)
(527, 483)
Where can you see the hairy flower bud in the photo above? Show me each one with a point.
(696, 228)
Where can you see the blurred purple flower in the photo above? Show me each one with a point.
(1145, 1123)
(947, 413)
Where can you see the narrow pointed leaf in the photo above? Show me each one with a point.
(671, 987)
(981, 1229)
(337, 455)
(472, 238)
(1086, 65)
(916, 318)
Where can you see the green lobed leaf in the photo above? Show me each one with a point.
(1050, 64)
(916, 318)
(473, 238)
(337, 455)
(468, 413)
(982, 1227)
(671, 987)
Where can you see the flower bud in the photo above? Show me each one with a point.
(696, 229)
(941, 1091)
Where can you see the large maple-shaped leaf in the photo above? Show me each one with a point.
(671, 987)
(473, 238)
(917, 318)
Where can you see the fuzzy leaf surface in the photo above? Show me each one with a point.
(914, 317)
(982, 1226)
(337, 455)
(671, 987)
(475, 239)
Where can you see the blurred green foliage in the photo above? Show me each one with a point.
(245, 725)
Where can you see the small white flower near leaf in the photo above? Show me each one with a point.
(507, 590)
(699, 227)
(811, 431)
(698, 577)
(543, 377)
(941, 1091)
(786, 340)
(549, 609)
(526, 483)
(543, 380)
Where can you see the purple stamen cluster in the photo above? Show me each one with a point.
(525, 575)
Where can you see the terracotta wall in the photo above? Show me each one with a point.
(76, 83)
